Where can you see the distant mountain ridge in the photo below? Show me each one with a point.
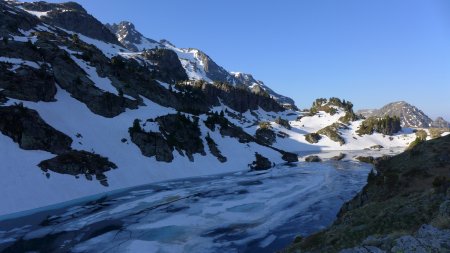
(198, 65)
(409, 115)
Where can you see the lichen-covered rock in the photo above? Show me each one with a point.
(366, 159)
(313, 137)
(77, 162)
(283, 122)
(26, 127)
(332, 132)
(338, 157)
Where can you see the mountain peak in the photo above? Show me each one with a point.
(132, 39)
(409, 115)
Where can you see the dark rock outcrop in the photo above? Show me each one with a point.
(182, 133)
(152, 144)
(261, 163)
(77, 162)
(73, 17)
(27, 83)
(26, 127)
(214, 149)
(289, 157)
(12, 19)
(313, 159)
(266, 135)
(166, 65)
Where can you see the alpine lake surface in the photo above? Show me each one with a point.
(255, 211)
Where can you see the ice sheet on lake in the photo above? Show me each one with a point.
(260, 212)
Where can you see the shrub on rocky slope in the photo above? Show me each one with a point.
(386, 125)
(408, 190)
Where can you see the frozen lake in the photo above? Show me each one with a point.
(239, 212)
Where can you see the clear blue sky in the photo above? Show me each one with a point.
(368, 52)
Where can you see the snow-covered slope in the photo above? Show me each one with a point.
(96, 99)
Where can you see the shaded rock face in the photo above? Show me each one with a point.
(73, 17)
(176, 132)
(266, 136)
(13, 19)
(261, 163)
(74, 80)
(238, 98)
(152, 144)
(167, 66)
(215, 150)
(182, 134)
(226, 128)
(410, 116)
(76, 163)
(26, 127)
(27, 83)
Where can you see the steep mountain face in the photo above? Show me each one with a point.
(409, 115)
(440, 122)
(198, 65)
(76, 109)
(133, 40)
(71, 16)
(252, 83)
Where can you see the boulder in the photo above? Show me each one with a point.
(312, 137)
(261, 163)
(312, 159)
